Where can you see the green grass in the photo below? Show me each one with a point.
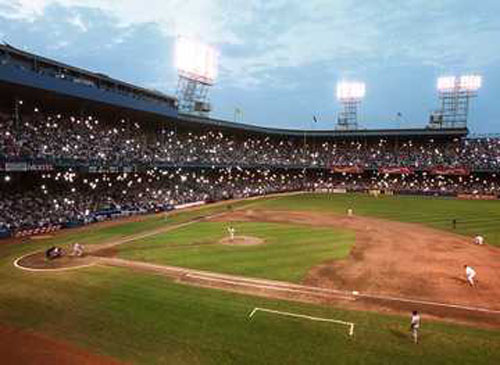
(288, 253)
(473, 217)
(147, 319)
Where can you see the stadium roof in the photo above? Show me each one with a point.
(94, 75)
(25, 61)
(359, 133)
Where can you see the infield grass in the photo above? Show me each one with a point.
(288, 253)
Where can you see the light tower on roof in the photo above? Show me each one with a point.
(350, 95)
(197, 70)
(455, 93)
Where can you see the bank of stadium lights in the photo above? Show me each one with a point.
(349, 94)
(196, 64)
(455, 93)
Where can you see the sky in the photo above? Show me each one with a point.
(280, 60)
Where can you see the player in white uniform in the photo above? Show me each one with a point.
(349, 212)
(77, 249)
(479, 240)
(231, 232)
(470, 273)
(415, 325)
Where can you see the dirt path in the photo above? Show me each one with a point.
(36, 261)
(235, 283)
(21, 347)
(399, 259)
(312, 294)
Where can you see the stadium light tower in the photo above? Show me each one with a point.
(455, 94)
(350, 95)
(197, 70)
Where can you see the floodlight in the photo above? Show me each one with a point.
(446, 83)
(350, 90)
(350, 94)
(455, 93)
(470, 82)
(462, 83)
(196, 60)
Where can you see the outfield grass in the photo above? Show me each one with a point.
(473, 216)
(288, 253)
(147, 319)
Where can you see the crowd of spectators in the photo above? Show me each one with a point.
(67, 197)
(181, 166)
(70, 198)
(88, 139)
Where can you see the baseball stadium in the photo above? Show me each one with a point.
(135, 227)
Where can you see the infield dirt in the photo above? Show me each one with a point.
(399, 259)
(242, 241)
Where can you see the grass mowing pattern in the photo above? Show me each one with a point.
(289, 252)
(473, 216)
(147, 319)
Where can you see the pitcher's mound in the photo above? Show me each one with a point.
(242, 240)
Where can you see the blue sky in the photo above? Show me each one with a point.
(280, 60)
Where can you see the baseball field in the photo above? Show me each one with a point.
(175, 289)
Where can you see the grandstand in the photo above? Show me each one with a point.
(78, 146)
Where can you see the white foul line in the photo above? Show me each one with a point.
(264, 286)
(430, 303)
(115, 243)
(19, 266)
(319, 319)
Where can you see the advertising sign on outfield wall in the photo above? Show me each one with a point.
(40, 167)
(16, 166)
(25, 166)
(395, 170)
(348, 169)
(450, 171)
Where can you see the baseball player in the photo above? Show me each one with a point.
(470, 273)
(415, 325)
(77, 249)
(231, 232)
(479, 240)
(349, 212)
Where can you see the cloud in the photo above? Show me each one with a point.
(347, 36)
(78, 22)
(198, 18)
